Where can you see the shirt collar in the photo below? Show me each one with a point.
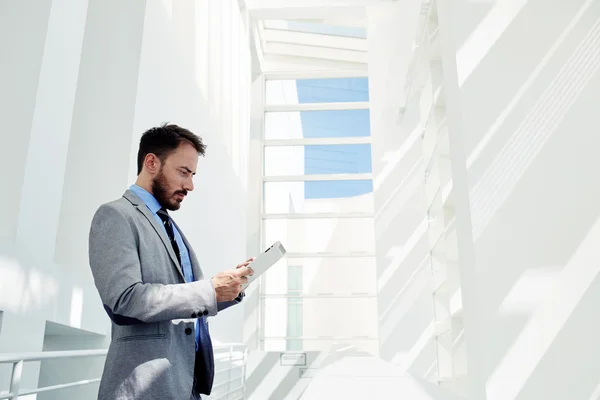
(150, 201)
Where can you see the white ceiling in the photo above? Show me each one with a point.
(310, 34)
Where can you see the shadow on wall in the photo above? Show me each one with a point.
(277, 376)
(535, 198)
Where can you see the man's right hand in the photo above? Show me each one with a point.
(228, 284)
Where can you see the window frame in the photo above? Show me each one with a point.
(264, 216)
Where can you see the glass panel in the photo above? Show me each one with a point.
(294, 318)
(317, 124)
(294, 325)
(349, 317)
(318, 197)
(321, 159)
(303, 91)
(315, 27)
(330, 235)
(322, 276)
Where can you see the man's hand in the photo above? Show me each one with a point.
(245, 264)
(228, 284)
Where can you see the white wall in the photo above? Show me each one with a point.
(81, 80)
(529, 84)
(403, 274)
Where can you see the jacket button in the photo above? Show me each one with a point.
(188, 331)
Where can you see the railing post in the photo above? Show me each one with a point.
(15, 380)
(230, 369)
(244, 362)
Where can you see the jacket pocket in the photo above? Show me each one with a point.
(133, 338)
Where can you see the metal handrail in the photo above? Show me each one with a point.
(47, 355)
(17, 360)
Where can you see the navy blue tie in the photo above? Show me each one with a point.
(166, 219)
(204, 369)
(205, 362)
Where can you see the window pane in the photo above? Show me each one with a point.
(318, 197)
(322, 159)
(324, 317)
(317, 124)
(322, 276)
(294, 324)
(330, 235)
(303, 91)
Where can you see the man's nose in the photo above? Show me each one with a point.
(189, 185)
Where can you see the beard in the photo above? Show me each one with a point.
(161, 192)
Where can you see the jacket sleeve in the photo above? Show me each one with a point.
(115, 264)
(222, 305)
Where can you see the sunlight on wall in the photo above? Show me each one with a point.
(569, 287)
(399, 253)
(76, 307)
(483, 37)
(596, 394)
(395, 310)
(476, 153)
(24, 289)
(499, 180)
(520, 299)
(405, 359)
(401, 195)
(394, 157)
(168, 6)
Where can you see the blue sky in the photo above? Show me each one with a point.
(337, 159)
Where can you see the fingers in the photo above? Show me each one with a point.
(248, 261)
(244, 271)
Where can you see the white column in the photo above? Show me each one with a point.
(471, 300)
(255, 207)
(50, 131)
(101, 130)
(23, 26)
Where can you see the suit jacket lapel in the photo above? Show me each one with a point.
(139, 204)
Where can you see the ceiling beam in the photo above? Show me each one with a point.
(325, 53)
(300, 12)
(291, 67)
(313, 39)
(331, 73)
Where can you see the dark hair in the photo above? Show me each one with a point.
(165, 139)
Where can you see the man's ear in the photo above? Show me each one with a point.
(152, 163)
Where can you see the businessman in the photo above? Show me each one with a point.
(150, 280)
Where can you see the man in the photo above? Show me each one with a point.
(150, 281)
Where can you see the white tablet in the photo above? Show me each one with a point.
(266, 260)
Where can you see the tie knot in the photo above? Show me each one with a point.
(163, 214)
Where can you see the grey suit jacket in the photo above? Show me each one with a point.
(141, 284)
